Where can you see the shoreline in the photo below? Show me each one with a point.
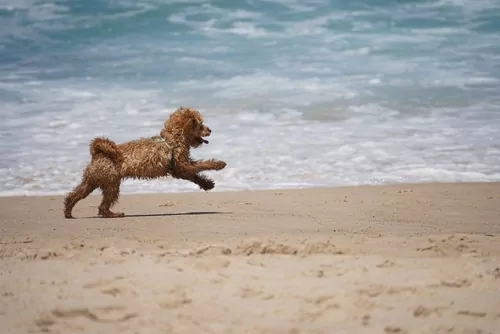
(291, 188)
(403, 258)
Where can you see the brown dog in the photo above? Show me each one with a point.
(145, 158)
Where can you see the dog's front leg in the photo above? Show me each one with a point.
(191, 173)
(211, 164)
(201, 180)
(197, 166)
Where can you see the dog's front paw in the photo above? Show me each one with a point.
(219, 165)
(207, 185)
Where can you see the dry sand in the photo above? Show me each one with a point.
(387, 259)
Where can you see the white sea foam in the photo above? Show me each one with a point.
(275, 148)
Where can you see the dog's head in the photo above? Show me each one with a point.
(186, 126)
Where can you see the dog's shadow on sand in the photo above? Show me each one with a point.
(193, 213)
(172, 214)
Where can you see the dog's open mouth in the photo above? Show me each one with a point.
(202, 141)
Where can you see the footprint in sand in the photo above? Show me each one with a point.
(495, 273)
(174, 303)
(101, 283)
(176, 298)
(317, 307)
(169, 204)
(109, 314)
(211, 251)
(106, 287)
(377, 290)
(104, 314)
(114, 291)
(394, 330)
(319, 273)
(365, 320)
(249, 292)
(422, 311)
(451, 245)
(456, 283)
(44, 321)
(472, 313)
(386, 264)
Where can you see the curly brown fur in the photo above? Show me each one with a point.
(145, 158)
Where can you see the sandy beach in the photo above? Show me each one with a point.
(383, 259)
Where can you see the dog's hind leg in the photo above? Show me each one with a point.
(80, 192)
(110, 193)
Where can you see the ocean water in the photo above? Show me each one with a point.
(297, 93)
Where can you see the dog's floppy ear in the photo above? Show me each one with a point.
(189, 126)
(163, 133)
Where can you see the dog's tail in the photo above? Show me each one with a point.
(105, 147)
